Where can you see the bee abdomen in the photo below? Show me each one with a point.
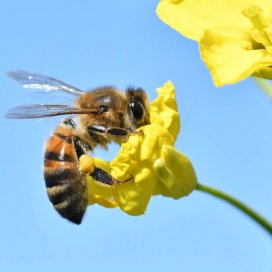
(59, 157)
(59, 176)
(66, 186)
(68, 200)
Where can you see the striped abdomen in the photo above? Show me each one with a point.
(66, 186)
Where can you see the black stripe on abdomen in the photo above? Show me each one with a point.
(59, 176)
(60, 157)
(74, 209)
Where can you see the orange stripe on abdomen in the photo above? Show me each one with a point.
(66, 186)
(57, 145)
(59, 152)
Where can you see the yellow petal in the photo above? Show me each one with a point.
(164, 110)
(97, 199)
(167, 184)
(192, 18)
(140, 147)
(133, 197)
(175, 174)
(136, 159)
(228, 61)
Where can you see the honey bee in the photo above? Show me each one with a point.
(104, 115)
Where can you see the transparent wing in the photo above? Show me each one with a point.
(40, 111)
(42, 83)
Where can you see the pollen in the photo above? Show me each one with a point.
(86, 164)
(255, 14)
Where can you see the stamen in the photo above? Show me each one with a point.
(254, 13)
(262, 32)
(260, 37)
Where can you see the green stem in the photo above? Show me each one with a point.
(265, 86)
(238, 204)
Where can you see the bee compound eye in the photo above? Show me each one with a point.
(136, 109)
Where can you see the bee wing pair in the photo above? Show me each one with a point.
(44, 84)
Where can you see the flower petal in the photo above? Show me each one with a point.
(97, 199)
(133, 197)
(228, 61)
(192, 18)
(164, 110)
(142, 146)
(136, 159)
(175, 174)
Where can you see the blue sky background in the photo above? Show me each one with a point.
(226, 132)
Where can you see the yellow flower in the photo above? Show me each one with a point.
(150, 158)
(235, 36)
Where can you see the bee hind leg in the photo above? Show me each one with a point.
(103, 176)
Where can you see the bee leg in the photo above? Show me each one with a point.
(131, 178)
(81, 147)
(102, 176)
(118, 131)
(113, 131)
(69, 122)
(124, 132)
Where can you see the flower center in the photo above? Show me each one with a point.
(262, 31)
